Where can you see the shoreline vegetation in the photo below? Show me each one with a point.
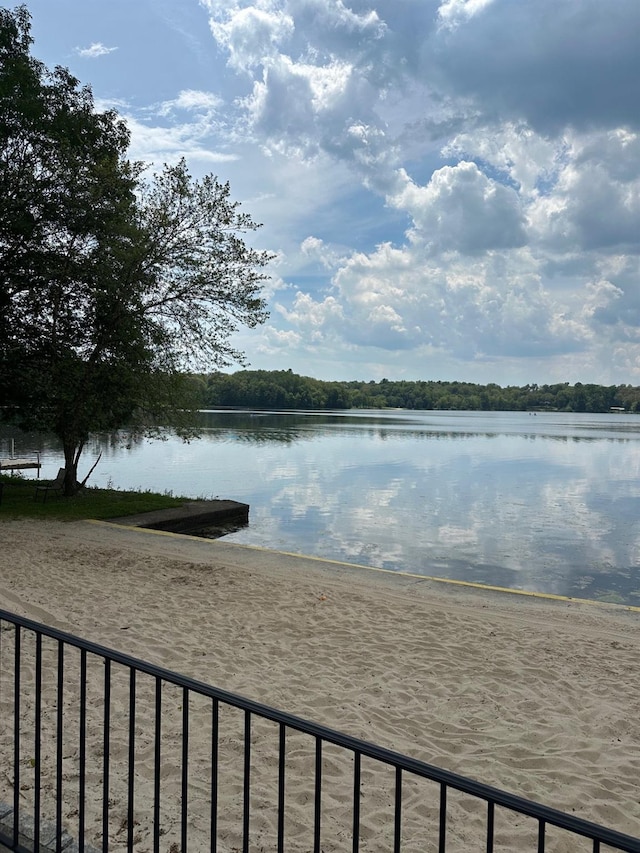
(284, 389)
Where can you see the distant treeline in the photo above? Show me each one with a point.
(283, 389)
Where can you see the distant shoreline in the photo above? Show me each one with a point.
(286, 390)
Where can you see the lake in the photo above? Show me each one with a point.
(546, 502)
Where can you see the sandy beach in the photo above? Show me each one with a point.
(535, 696)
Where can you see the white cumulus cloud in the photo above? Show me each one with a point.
(446, 182)
(94, 50)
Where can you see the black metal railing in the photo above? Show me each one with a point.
(113, 752)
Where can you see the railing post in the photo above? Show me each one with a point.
(491, 808)
(37, 746)
(156, 765)
(185, 769)
(356, 801)
(442, 832)
(317, 797)
(59, 745)
(215, 722)
(281, 783)
(541, 834)
(106, 746)
(397, 818)
(16, 735)
(246, 787)
(82, 735)
(132, 757)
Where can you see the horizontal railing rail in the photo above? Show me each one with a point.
(52, 738)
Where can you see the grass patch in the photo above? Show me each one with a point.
(18, 501)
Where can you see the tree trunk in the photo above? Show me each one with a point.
(72, 453)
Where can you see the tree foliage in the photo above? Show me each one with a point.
(278, 389)
(283, 389)
(112, 285)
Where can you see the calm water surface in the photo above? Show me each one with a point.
(547, 502)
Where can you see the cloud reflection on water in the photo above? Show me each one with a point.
(547, 503)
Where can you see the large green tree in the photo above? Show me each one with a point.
(112, 285)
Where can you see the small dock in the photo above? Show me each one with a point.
(189, 517)
(16, 463)
(19, 462)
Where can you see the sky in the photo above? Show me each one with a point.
(451, 187)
